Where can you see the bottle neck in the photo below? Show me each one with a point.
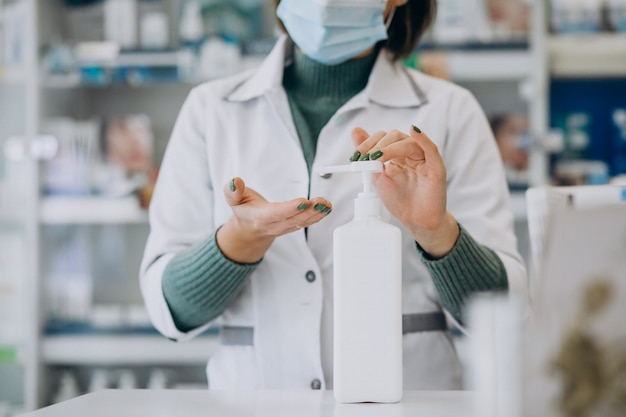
(366, 206)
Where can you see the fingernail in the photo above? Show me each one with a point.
(319, 207)
(232, 185)
(365, 157)
(303, 206)
(376, 155)
(329, 211)
(356, 156)
(417, 129)
(326, 210)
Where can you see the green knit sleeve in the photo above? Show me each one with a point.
(470, 267)
(200, 282)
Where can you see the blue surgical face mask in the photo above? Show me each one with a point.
(333, 31)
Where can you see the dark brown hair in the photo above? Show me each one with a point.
(408, 26)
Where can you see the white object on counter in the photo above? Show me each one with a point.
(495, 351)
(367, 299)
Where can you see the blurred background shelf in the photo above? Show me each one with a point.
(588, 55)
(141, 69)
(489, 65)
(481, 61)
(126, 350)
(91, 210)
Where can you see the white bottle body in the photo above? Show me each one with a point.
(367, 312)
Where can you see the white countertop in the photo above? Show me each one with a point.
(203, 403)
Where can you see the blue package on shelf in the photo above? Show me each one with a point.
(585, 107)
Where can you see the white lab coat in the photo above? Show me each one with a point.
(242, 126)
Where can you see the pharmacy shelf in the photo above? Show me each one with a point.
(489, 65)
(586, 55)
(91, 210)
(89, 350)
(484, 61)
(147, 61)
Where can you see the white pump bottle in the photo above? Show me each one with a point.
(367, 299)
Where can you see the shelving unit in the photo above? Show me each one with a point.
(587, 55)
(144, 60)
(123, 350)
(488, 62)
(111, 231)
(566, 57)
(496, 65)
(91, 210)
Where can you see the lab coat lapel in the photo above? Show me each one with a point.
(390, 84)
(267, 82)
(285, 303)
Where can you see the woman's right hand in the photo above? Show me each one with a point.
(255, 222)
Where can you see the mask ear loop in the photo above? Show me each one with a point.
(390, 18)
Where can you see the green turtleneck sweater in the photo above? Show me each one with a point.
(200, 282)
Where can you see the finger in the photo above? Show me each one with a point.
(359, 135)
(431, 150)
(316, 209)
(390, 138)
(289, 210)
(321, 206)
(234, 191)
(408, 147)
(368, 144)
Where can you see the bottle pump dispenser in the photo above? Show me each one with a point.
(367, 318)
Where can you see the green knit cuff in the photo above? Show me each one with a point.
(469, 267)
(200, 282)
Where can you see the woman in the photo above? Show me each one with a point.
(242, 231)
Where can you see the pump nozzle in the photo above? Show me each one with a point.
(366, 168)
(357, 166)
(366, 204)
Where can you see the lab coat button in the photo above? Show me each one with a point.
(310, 276)
(316, 384)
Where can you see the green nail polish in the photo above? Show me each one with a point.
(356, 156)
(232, 185)
(326, 210)
(303, 206)
(417, 129)
(319, 207)
(365, 157)
(376, 155)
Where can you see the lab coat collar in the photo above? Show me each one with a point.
(268, 76)
(389, 85)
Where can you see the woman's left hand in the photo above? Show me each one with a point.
(412, 185)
